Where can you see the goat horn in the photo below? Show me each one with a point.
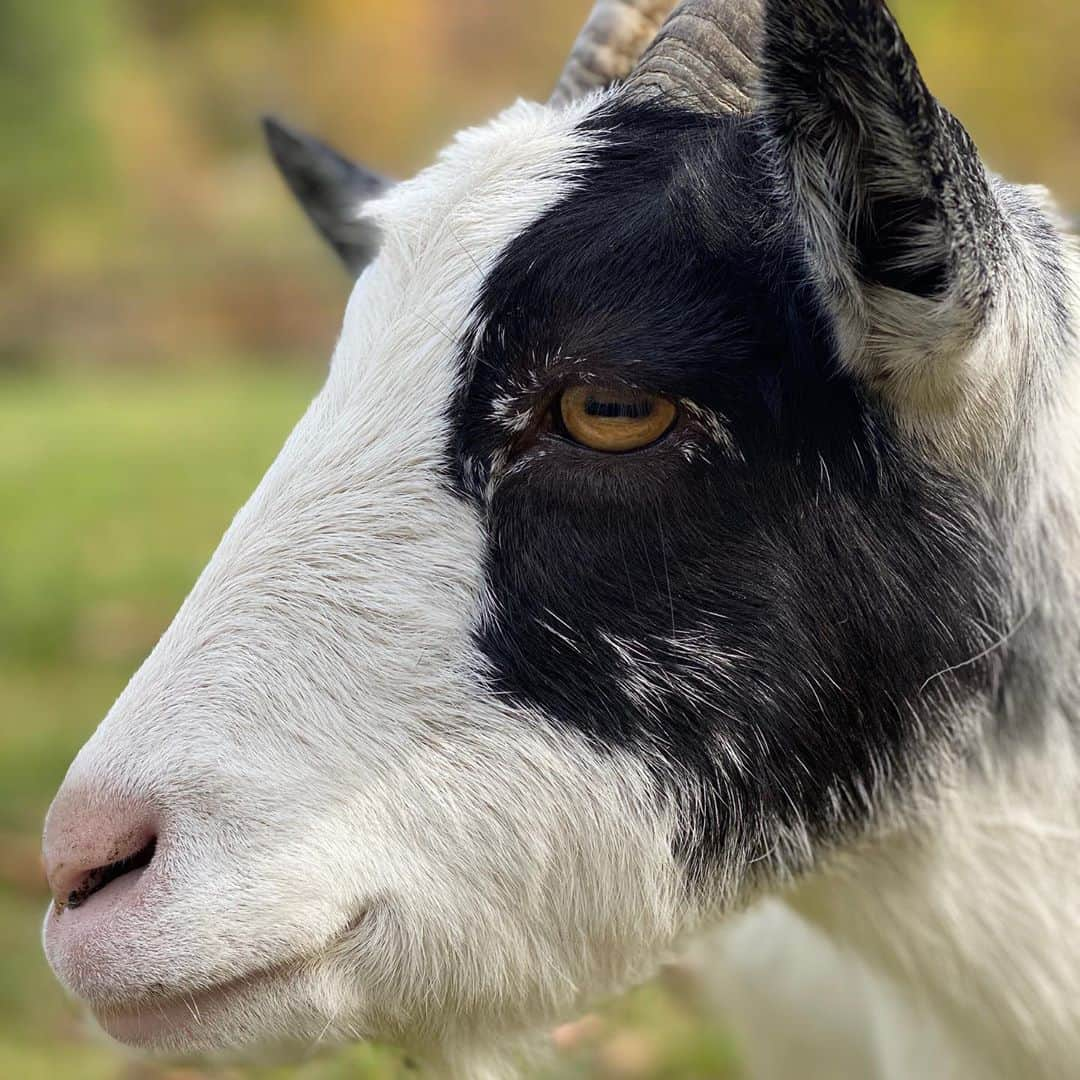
(704, 57)
(615, 35)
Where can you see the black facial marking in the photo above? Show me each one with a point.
(775, 613)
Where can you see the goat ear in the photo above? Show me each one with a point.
(330, 188)
(903, 224)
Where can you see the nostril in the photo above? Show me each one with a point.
(95, 880)
(92, 840)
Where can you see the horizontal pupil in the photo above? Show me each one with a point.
(635, 409)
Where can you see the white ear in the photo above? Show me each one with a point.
(330, 188)
(905, 231)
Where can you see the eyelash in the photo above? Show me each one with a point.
(528, 423)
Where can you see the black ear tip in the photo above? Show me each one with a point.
(294, 148)
(328, 186)
(284, 141)
(273, 128)
(301, 156)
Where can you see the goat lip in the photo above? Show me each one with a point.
(76, 939)
(184, 1022)
(179, 1022)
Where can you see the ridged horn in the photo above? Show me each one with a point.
(615, 35)
(704, 57)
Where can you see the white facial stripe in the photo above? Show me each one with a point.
(315, 726)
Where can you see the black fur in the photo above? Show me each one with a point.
(330, 188)
(898, 174)
(818, 574)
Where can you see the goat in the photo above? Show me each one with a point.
(681, 553)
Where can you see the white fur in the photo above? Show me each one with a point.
(346, 806)
(941, 950)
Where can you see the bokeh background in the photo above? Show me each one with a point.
(166, 313)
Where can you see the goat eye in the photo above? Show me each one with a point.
(615, 419)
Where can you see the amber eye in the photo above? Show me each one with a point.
(614, 418)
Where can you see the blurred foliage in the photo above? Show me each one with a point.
(141, 223)
(50, 133)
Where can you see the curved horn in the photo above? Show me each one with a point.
(615, 35)
(704, 58)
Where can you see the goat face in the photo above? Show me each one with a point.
(633, 557)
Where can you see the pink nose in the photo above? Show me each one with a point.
(92, 842)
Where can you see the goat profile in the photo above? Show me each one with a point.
(681, 555)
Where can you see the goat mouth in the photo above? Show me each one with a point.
(211, 1018)
(180, 1022)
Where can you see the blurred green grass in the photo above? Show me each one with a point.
(114, 489)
